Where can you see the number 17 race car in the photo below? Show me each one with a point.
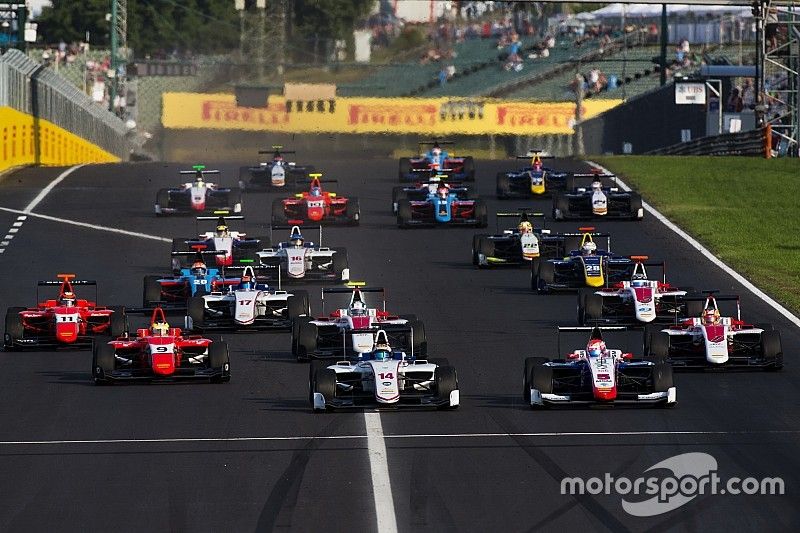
(62, 322)
(596, 374)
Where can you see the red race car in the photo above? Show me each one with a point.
(160, 353)
(66, 321)
(316, 206)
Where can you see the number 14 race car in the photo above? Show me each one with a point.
(65, 321)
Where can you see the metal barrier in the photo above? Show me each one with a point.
(743, 143)
(30, 88)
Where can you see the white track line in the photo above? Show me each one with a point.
(379, 469)
(44, 192)
(708, 255)
(90, 226)
(377, 432)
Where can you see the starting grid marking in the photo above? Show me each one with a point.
(401, 436)
(12, 232)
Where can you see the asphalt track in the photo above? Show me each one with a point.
(238, 457)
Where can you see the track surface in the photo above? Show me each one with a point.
(485, 322)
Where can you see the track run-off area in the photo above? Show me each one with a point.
(251, 456)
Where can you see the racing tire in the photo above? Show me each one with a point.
(543, 277)
(340, 262)
(530, 364)
(325, 384)
(658, 347)
(662, 377)
(486, 248)
(446, 382)
(103, 361)
(560, 206)
(469, 168)
(316, 365)
(162, 199)
(404, 168)
(481, 214)
(119, 321)
(540, 378)
(196, 309)
(636, 204)
(151, 291)
(592, 307)
(476, 246)
(297, 305)
(278, 213)
(503, 186)
(235, 199)
(420, 340)
(306, 341)
(772, 349)
(398, 193)
(15, 329)
(353, 212)
(219, 357)
(404, 213)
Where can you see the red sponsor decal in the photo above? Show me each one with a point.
(385, 115)
(215, 111)
(525, 115)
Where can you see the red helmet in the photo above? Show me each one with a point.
(596, 348)
(199, 268)
(68, 298)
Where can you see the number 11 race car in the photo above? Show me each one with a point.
(62, 322)
(596, 374)
(316, 206)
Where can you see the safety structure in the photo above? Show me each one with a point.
(46, 120)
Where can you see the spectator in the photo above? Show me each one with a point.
(734, 104)
(748, 95)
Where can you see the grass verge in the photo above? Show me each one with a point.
(742, 209)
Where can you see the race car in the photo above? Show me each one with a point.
(709, 340)
(248, 306)
(160, 352)
(434, 161)
(198, 196)
(316, 206)
(172, 292)
(301, 260)
(443, 206)
(351, 330)
(597, 200)
(637, 300)
(520, 245)
(276, 172)
(531, 181)
(583, 267)
(421, 190)
(62, 322)
(236, 244)
(383, 377)
(597, 375)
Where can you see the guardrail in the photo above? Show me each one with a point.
(754, 143)
(30, 88)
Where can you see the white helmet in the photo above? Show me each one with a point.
(597, 185)
(588, 248)
(359, 309)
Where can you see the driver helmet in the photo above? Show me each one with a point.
(597, 185)
(316, 191)
(537, 164)
(382, 352)
(436, 151)
(525, 227)
(247, 283)
(359, 309)
(159, 328)
(710, 317)
(198, 180)
(596, 348)
(638, 282)
(199, 268)
(68, 299)
(588, 248)
(443, 191)
(222, 230)
(296, 240)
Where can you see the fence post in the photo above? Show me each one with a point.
(768, 141)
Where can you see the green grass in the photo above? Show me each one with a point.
(743, 209)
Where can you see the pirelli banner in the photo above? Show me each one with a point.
(426, 116)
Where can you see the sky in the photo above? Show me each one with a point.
(36, 5)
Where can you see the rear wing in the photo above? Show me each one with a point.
(522, 213)
(353, 286)
(596, 332)
(52, 283)
(292, 226)
(589, 231)
(643, 260)
(705, 295)
(200, 253)
(198, 172)
(277, 150)
(434, 141)
(221, 214)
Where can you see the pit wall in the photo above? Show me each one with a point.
(56, 146)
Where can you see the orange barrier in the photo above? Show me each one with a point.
(424, 116)
(57, 146)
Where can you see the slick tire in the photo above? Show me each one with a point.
(486, 247)
(353, 212)
(544, 277)
(15, 330)
(297, 305)
(481, 214)
(325, 384)
(219, 358)
(592, 308)
(658, 348)
(476, 244)
(662, 379)
(162, 198)
(103, 361)
(196, 309)
(446, 382)
(340, 262)
(469, 168)
(404, 168)
(539, 377)
(420, 340)
(404, 213)
(398, 193)
(772, 349)
(119, 321)
(306, 342)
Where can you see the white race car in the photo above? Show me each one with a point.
(248, 306)
(597, 375)
(298, 259)
(198, 196)
(385, 378)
